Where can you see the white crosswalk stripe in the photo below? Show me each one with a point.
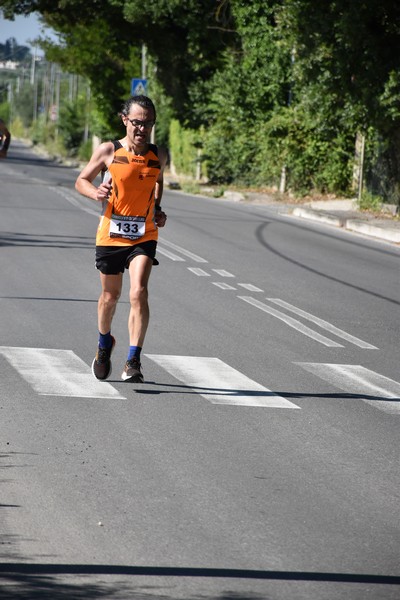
(379, 391)
(218, 382)
(57, 373)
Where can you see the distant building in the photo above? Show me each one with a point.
(10, 65)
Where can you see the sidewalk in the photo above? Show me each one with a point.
(337, 213)
(381, 227)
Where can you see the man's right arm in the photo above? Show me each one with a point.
(100, 160)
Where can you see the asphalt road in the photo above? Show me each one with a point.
(260, 458)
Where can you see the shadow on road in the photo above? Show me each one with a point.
(9, 238)
(261, 236)
(33, 581)
(229, 392)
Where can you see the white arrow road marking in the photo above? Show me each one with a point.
(358, 380)
(218, 382)
(57, 373)
(291, 322)
(324, 324)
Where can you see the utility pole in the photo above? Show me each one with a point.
(144, 69)
(57, 102)
(144, 61)
(361, 172)
(10, 100)
(358, 165)
(34, 84)
(87, 112)
(33, 67)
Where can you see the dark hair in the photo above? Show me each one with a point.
(143, 101)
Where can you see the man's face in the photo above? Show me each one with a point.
(138, 124)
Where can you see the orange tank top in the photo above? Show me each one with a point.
(128, 214)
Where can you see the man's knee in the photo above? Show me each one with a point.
(109, 299)
(138, 295)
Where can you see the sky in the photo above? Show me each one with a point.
(22, 29)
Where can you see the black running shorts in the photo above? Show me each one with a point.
(111, 260)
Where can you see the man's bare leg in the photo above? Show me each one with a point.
(139, 315)
(111, 290)
(111, 286)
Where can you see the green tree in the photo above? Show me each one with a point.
(102, 41)
(11, 50)
(252, 82)
(346, 68)
(273, 84)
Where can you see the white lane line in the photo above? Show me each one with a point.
(324, 324)
(218, 382)
(57, 373)
(223, 286)
(9, 172)
(223, 273)
(78, 202)
(291, 322)
(360, 381)
(168, 254)
(183, 251)
(250, 287)
(199, 272)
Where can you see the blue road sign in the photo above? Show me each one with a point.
(139, 87)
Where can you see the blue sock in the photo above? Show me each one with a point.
(134, 352)
(105, 340)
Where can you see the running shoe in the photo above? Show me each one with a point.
(101, 365)
(132, 371)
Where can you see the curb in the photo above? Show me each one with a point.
(313, 215)
(387, 233)
(390, 235)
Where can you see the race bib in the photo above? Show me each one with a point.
(130, 228)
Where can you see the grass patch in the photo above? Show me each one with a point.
(370, 202)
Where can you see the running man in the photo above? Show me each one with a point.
(5, 139)
(131, 190)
